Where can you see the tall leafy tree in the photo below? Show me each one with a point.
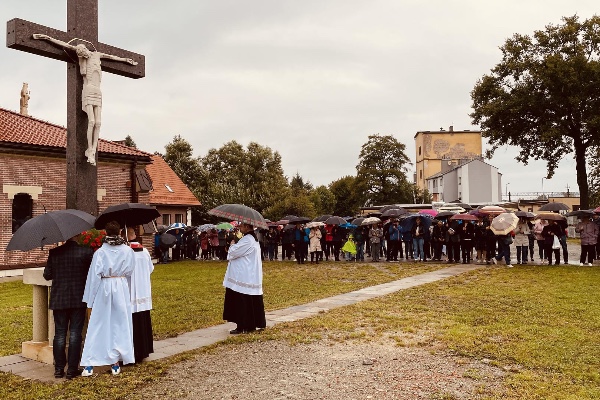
(544, 96)
(291, 202)
(381, 171)
(252, 176)
(323, 200)
(347, 197)
(179, 156)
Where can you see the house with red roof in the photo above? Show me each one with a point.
(171, 197)
(33, 181)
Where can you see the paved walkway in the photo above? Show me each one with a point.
(29, 369)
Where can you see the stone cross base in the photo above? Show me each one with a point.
(38, 351)
(40, 348)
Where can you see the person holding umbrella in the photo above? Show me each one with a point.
(467, 237)
(438, 237)
(538, 228)
(375, 235)
(588, 232)
(243, 284)
(110, 330)
(67, 268)
(418, 234)
(551, 234)
(522, 233)
(299, 235)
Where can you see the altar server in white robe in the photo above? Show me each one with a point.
(243, 284)
(109, 336)
(141, 298)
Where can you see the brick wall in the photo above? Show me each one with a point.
(50, 175)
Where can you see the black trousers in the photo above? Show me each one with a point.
(466, 248)
(453, 250)
(72, 320)
(299, 250)
(588, 250)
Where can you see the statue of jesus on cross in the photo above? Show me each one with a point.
(91, 97)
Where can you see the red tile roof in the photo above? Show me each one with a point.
(162, 175)
(17, 128)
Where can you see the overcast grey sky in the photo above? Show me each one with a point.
(311, 79)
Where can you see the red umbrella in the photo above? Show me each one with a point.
(430, 211)
(464, 217)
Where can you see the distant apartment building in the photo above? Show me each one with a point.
(434, 149)
(468, 181)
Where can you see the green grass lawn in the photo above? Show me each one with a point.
(541, 323)
(189, 295)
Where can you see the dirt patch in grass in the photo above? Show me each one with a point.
(328, 370)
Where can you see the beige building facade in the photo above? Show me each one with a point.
(434, 148)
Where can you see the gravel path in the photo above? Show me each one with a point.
(327, 370)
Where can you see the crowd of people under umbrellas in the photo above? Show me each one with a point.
(395, 235)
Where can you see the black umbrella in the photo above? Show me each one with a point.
(524, 214)
(581, 213)
(127, 214)
(335, 221)
(390, 207)
(50, 228)
(444, 214)
(393, 213)
(241, 213)
(358, 221)
(555, 207)
(322, 218)
(299, 220)
(288, 217)
(167, 240)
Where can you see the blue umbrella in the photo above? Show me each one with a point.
(348, 226)
(406, 222)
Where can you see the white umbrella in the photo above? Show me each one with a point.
(504, 223)
(370, 221)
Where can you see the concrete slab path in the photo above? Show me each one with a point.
(29, 369)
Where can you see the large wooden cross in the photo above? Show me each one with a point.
(82, 23)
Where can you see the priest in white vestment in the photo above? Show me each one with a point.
(243, 284)
(109, 336)
(141, 298)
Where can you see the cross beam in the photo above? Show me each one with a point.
(19, 36)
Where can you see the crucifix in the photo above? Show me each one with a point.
(86, 58)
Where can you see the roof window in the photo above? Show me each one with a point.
(169, 188)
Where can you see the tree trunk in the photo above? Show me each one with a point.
(582, 179)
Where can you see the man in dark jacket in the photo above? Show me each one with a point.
(438, 237)
(67, 268)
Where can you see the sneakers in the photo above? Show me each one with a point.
(509, 266)
(581, 264)
(494, 260)
(589, 264)
(115, 369)
(88, 371)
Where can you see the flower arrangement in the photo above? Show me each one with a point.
(92, 238)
